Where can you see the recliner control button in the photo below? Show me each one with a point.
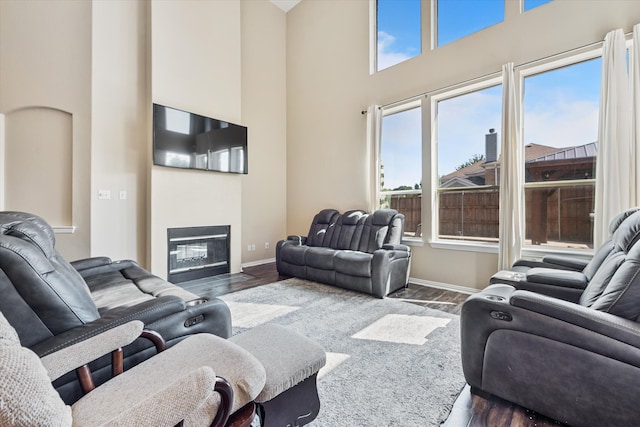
(193, 321)
(501, 315)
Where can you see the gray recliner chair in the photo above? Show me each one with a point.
(565, 277)
(51, 303)
(578, 363)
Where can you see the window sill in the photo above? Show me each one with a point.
(64, 229)
(527, 252)
(532, 252)
(464, 246)
(413, 242)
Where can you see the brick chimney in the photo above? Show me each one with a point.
(491, 172)
(491, 146)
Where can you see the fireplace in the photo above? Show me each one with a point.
(197, 252)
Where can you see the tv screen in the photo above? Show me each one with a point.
(187, 140)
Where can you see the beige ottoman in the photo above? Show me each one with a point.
(291, 362)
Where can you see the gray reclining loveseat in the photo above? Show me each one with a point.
(575, 359)
(353, 250)
(567, 277)
(51, 302)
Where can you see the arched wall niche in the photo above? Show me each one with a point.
(38, 163)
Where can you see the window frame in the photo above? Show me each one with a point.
(391, 109)
(373, 37)
(434, 189)
(430, 184)
(532, 69)
(430, 189)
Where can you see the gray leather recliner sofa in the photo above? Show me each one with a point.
(567, 277)
(52, 303)
(577, 362)
(353, 250)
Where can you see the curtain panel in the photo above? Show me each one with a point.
(374, 129)
(511, 175)
(615, 164)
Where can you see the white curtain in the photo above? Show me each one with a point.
(511, 174)
(374, 127)
(615, 165)
(634, 73)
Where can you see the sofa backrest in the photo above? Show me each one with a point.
(357, 231)
(37, 282)
(615, 285)
(625, 232)
(621, 295)
(348, 230)
(322, 228)
(384, 226)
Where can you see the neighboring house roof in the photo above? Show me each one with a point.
(533, 153)
(457, 181)
(579, 152)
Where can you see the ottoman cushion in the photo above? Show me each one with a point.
(287, 356)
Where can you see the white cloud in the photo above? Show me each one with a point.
(386, 55)
(562, 124)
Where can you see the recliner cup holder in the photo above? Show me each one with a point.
(495, 298)
(196, 302)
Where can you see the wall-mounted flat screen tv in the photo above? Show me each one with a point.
(190, 141)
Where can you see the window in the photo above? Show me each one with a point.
(468, 163)
(401, 164)
(398, 31)
(561, 108)
(460, 18)
(530, 4)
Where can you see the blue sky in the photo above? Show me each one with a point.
(561, 107)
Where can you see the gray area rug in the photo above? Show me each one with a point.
(389, 363)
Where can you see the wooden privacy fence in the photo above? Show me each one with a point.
(558, 214)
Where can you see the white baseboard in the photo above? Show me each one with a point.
(446, 286)
(258, 262)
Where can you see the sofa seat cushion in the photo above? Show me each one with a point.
(321, 258)
(353, 263)
(111, 290)
(293, 254)
(154, 285)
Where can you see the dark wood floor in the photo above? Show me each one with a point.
(469, 410)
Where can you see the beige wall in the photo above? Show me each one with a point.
(195, 66)
(45, 73)
(102, 64)
(264, 112)
(119, 131)
(328, 84)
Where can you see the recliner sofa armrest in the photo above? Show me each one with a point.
(390, 247)
(298, 240)
(86, 263)
(93, 347)
(533, 263)
(577, 264)
(179, 399)
(389, 270)
(147, 312)
(624, 330)
(106, 267)
(550, 276)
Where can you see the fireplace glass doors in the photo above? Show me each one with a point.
(197, 252)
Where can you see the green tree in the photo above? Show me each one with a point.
(475, 159)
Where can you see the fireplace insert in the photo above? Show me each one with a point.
(197, 252)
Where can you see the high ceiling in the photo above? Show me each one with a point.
(285, 5)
